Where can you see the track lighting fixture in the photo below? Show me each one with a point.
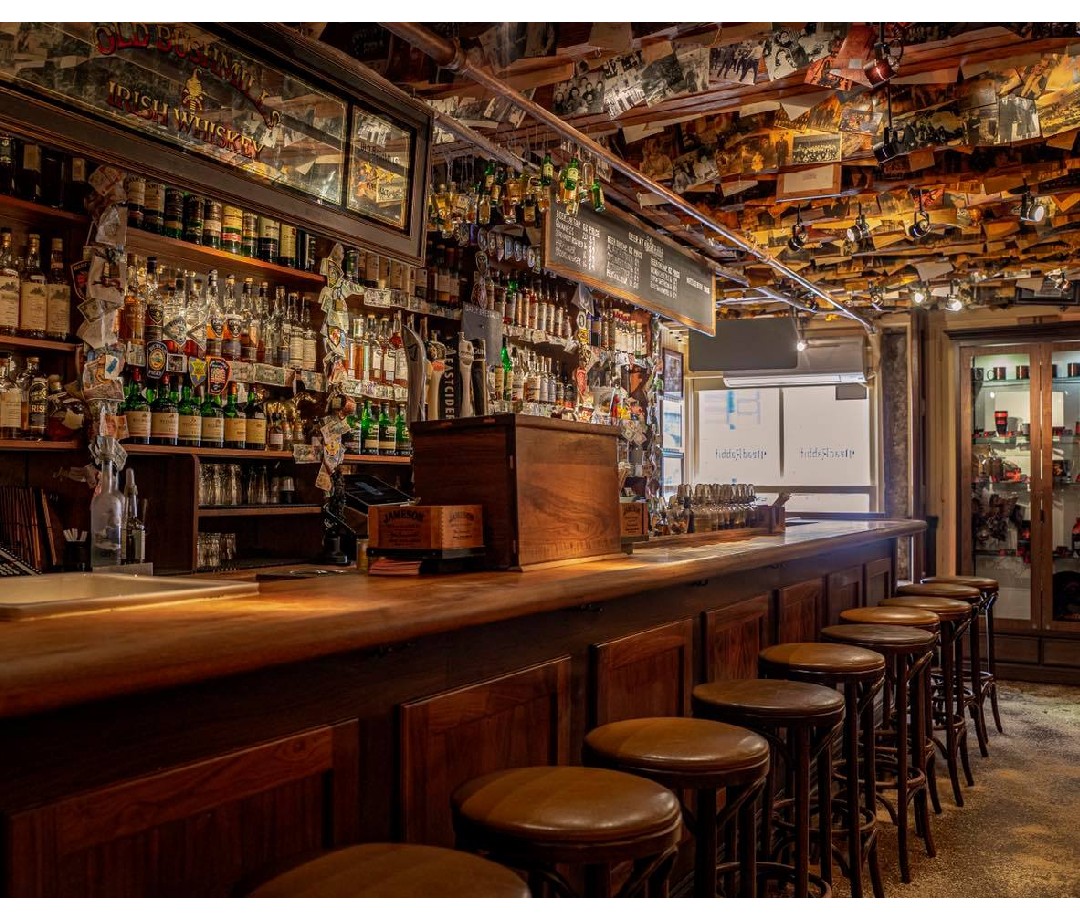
(894, 143)
(919, 295)
(859, 230)
(799, 237)
(953, 303)
(1032, 210)
(920, 226)
(800, 330)
(886, 61)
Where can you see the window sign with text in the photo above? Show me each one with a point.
(739, 436)
(826, 440)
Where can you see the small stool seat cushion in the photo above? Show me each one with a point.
(396, 870)
(768, 700)
(953, 611)
(567, 805)
(940, 589)
(907, 615)
(728, 753)
(987, 585)
(876, 636)
(822, 658)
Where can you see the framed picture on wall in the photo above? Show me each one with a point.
(671, 429)
(673, 372)
(671, 473)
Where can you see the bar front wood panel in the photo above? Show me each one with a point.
(732, 637)
(844, 592)
(520, 719)
(800, 608)
(647, 673)
(878, 579)
(210, 828)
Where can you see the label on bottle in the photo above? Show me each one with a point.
(255, 432)
(155, 198)
(138, 422)
(11, 409)
(401, 368)
(31, 157)
(309, 353)
(287, 248)
(78, 169)
(232, 227)
(164, 425)
(58, 310)
(9, 301)
(296, 346)
(236, 430)
(388, 443)
(190, 429)
(276, 439)
(371, 441)
(212, 432)
(33, 307)
(135, 189)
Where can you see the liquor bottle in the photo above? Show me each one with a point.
(369, 431)
(232, 323)
(387, 433)
(275, 433)
(57, 412)
(194, 206)
(249, 235)
(212, 217)
(134, 526)
(287, 246)
(137, 411)
(106, 520)
(517, 392)
(10, 284)
(232, 228)
(453, 294)
(296, 331)
(262, 330)
(155, 302)
(212, 430)
(255, 427)
(154, 207)
(76, 188)
(573, 170)
(268, 238)
(52, 178)
(7, 164)
(174, 331)
(173, 224)
(33, 298)
(401, 360)
(508, 374)
(442, 279)
(547, 170)
(10, 403)
(57, 295)
(282, 330)
(404, 439)
(135, 191)
(189, 423)
(235, 421)
(28, 179)
(37, 400)
(164, 417)
(215, 318)
(310, 339)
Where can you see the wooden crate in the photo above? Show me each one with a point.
(425, 527)
(548, 488)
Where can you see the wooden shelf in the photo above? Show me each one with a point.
(142, 241)
(39, 445)
(375, 458)
(222, 453)
(18, 341)
(258, 511)
(30, 211)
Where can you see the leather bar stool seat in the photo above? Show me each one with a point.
(946, 609)
(871, 636)
(952, 592)
(532, 818)
(893, 616)
(396, 870)
(704, 756)
(860, 673)
(973, 581)
(800, 721)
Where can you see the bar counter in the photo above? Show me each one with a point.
(346, 708)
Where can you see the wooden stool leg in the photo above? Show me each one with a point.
(902, 736)
(930, 749)
(747, 846)
(801, 761)
(976, 707)
(948, 679)
(919, 729)
(705, 844)
(991, 661)
(961, 712)
(825, 830)
(852, 788)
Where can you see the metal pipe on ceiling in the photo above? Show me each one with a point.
(450, 55)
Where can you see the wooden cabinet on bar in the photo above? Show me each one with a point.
(210, 828)
(732, 637)
(844, 591)
(878, 581)
(800, 610)
(520, 719)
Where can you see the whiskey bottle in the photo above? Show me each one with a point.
(164, 417)
(269, 238)
(29, 176)
(404, 439)
(233, 324)
(310, 339)
(173, 223)
(10, 284)
(369, 431)
(255, 424)
(235, 421)
(135, 190)
(249, 235)
(282, 351)
(52, 178)
(401, 361)
(155, 302)
(215, 318)
(76, 188)
(232, 228)
(57, 295)
(137, 411)
(154, 209)
(194, 206)
(212, 216)
(287, 246)
(7, 164)
(296, 332)
(10, 403)
(33, 299)
(275, 432)
(189, 422)
(261, 329)
(387, 433)
(212, 432)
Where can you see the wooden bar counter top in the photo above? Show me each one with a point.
(56, 661)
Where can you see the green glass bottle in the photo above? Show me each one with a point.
(369, 431)
(235, 422)
(508, 374)
(137, 411)
(387, 434)
(573, 170)
(404, 439)
(255, 429)
(596, 194)
(489, 175)
(164, 419)
(213, 422)
(547, 170)
(190, 422)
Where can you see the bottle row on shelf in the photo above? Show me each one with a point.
(33, 406)
(34, 303)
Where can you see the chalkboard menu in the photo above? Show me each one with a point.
(625, 261)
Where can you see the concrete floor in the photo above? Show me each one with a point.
(1018, 834)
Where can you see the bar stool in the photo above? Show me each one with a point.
(395, 870)
(985, 683)
(532, 818)
(706, 757)
(916, 618)
(907, 653)
(800, 722)
(860, 673)
(955, 615)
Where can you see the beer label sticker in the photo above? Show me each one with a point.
(197, 371)
(217, 375)
(157, 356)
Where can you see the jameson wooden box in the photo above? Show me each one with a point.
(549, 488)
(425, 527)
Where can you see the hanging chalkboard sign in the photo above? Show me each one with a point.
(626, 261)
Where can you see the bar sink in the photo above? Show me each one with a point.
(69, 593)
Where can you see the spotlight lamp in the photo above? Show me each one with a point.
(885, 63)
(799, 237)
(800, 330)
(953, 303)
(859, 230)
(1032, 210)
(920, 225)
(919, 295)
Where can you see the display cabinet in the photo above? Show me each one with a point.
(1019, 491)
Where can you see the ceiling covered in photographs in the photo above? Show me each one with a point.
(896, 166)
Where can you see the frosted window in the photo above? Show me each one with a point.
(739, 436)
(826, 440)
